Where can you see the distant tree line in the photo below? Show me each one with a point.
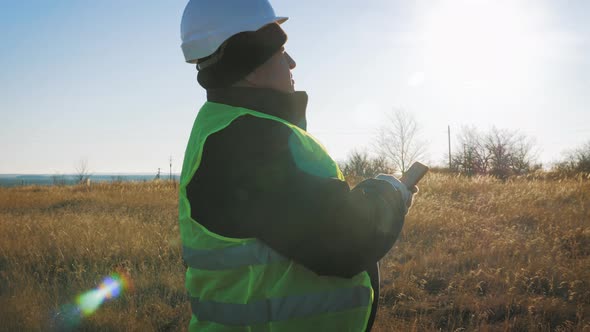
(576, 161)
(396, 147)
(500, 153)
(361, 165)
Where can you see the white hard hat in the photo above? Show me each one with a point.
(206, 24)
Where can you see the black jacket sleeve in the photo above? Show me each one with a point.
(248, 185)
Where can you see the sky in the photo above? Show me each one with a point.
(105, 81)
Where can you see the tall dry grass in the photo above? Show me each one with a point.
(479, 254)
(57, 242)
(475, 254)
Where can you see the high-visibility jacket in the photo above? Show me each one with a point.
(243, 284)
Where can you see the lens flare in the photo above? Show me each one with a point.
(87, 303)
(111, 287)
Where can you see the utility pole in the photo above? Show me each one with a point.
(170, 168)
(450, 165)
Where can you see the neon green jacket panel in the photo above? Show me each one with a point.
(242, 284)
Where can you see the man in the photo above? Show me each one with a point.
(273, 237)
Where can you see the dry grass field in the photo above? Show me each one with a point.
(475, 255)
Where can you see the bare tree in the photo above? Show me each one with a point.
(524, 155)
(398, 140)
(512, 153)
(575, 161)
(472, 156)
(499, 152)
(499, 143)
(82, 172)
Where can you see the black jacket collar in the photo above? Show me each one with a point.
(287, 106)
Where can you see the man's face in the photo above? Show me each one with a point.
(275, 73)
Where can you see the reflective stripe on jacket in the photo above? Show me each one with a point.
(244, 285)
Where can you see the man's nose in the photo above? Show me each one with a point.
(292, 63)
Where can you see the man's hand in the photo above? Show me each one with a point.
(407, 193)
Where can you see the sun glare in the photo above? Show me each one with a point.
(480, 43)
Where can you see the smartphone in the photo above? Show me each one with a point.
(414, 174)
